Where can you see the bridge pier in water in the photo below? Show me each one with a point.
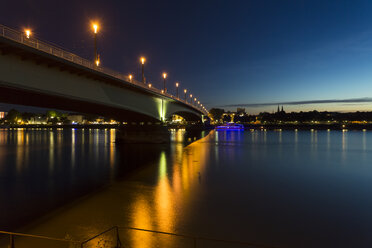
(155, 133)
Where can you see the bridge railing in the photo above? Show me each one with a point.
(21, 37)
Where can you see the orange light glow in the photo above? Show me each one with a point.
(164, 75)
(143, 60)
(95, 27)
(185, 90)
(130, 77)
(150, 85)
(177, 84)
(28, 33)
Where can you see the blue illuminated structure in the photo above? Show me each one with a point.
(231, 126)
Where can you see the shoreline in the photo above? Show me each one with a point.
(336, 127)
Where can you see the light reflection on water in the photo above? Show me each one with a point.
(271, 187)
(46, 167)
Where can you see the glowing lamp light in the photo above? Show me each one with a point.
(162, 91)
(143, 60)
(198, 102)
(150, 86)
(190, 95)
(195, 99)
(130, 77)
(97, 62)
(177, 84)
(28, 33)
(95, 27)
(164, 75)
(185, 90)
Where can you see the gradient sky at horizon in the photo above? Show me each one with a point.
(224, 52)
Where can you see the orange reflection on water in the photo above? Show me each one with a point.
(179, 175)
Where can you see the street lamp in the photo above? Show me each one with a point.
(177, 84)
(95, 30)
(97, 60)
(164, 76)
(150, 85)
(194, 100)
(28, 33)
(130, 77)
(185, 90)
(191, 98)
(143, 69)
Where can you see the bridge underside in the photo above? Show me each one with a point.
(28, 98)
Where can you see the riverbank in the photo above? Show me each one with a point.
(78, 126)
(309, 126)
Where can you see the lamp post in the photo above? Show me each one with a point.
(164, 76)
(195, 100)
(97, 60)
(185, 91)
(28, 33)
(95, 30)
(143, 69)
(177, 84)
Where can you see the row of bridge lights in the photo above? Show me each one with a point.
(95, 28)
(142, 60)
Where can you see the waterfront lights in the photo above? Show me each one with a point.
(143, 69)
(177, 84)
(28, 33)
(130, 78)
(164, 76)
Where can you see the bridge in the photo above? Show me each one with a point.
(36, 73)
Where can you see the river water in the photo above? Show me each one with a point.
(276, 188)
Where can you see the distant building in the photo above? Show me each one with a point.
(79, 119)
(240, 111)
(38, 120)
(3, 114)
(280, 111)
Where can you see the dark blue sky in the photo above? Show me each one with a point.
(224, 52)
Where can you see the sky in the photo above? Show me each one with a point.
(304, 55)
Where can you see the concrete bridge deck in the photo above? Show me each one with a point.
(35, 73)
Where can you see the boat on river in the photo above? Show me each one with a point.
(231, 126)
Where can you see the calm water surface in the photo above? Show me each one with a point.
(288, 189)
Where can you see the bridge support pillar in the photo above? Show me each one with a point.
(143, 133)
